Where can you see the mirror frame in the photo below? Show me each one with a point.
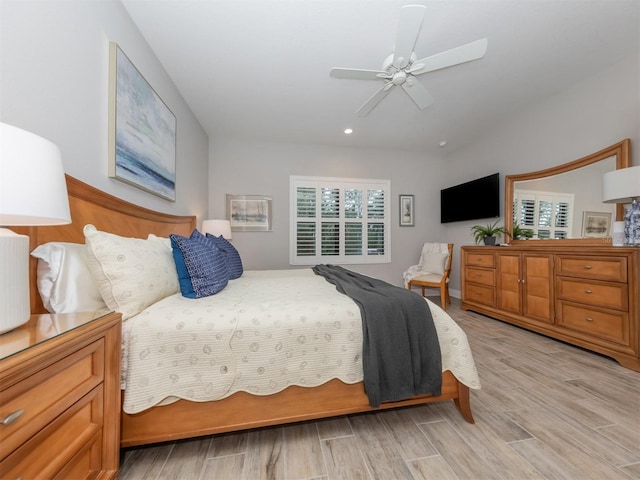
(622, 152)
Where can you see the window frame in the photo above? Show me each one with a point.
(342, 184)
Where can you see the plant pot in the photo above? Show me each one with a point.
(489, 240)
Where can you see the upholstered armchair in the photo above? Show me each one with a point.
(432, 270)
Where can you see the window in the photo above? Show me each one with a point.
(548, 214)
(339, 220)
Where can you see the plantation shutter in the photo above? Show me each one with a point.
(339, 220)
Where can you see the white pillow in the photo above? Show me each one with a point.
(131, 273)
(434, 262)
(64, 280)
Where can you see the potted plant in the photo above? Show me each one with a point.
(487, 233)
(519, 233)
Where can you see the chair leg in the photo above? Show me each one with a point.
(443, 296)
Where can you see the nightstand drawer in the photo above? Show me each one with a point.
(65, 436)
(47, 393)
(609, 295)
(610, 326)
(88, 459)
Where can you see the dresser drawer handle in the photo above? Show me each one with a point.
(589, 319)
(12, 417)
(588, 290)
(587, 267)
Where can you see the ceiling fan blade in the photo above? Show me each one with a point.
(358, 74)
(417, 92)
(455, 56)
(411, 17)
(374, 100)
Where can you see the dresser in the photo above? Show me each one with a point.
(584, 295)
(60, 397)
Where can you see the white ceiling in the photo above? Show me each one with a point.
(260, 68)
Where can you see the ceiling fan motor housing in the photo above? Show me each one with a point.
(388, 66)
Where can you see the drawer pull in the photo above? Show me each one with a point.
(587, 267)
(588, 290)
(12, 417)
(589, 319)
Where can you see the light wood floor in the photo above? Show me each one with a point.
(546, 410)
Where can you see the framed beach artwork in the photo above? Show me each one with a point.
(142, 130)
(249, 213)
(406, 211)
(596, 224)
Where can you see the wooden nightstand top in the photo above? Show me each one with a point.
(41, 328)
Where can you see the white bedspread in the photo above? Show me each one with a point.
(266, 331)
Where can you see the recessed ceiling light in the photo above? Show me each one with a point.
(348, 131)
(443, 143)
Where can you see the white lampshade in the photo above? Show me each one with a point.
(621, 186)
(33, 191)
(217, 228)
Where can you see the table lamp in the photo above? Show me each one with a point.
(217, 228)
(33, 191)
(623, 186)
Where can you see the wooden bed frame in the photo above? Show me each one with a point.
(185, 419)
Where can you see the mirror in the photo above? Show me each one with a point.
(571, 193)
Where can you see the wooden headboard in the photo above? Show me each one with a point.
(107, 213)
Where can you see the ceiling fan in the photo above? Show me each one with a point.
(402, 66)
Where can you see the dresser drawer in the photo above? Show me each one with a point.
(610, 295)
(484, 276)
(598, 268)
(47, 393)
(55, 446)
(480, 259)
(610, 326)
(480, 294)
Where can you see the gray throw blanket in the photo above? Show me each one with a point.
(400, 351)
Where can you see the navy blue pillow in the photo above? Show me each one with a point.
(205, 268)
(186, 287)
(231, 255)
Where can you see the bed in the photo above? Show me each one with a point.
(237, 410)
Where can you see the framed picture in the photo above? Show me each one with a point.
(142, 130)
(406, 211)
(596, 224)
(249, 213)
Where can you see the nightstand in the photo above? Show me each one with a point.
(60, 397)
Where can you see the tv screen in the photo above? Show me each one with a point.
(479, 198)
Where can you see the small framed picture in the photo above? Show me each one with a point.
(407, 212)
(596, 224)
(249, 213)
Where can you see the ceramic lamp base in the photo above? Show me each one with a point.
(632, 224)
(14, 280)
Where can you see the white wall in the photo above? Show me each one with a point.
(54, 82)
(241, 166)
(54, 65)
(596, 113)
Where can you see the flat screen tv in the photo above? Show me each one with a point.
(479, 198)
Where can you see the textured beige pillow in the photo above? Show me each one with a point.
(131, 273)
(434, 262)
